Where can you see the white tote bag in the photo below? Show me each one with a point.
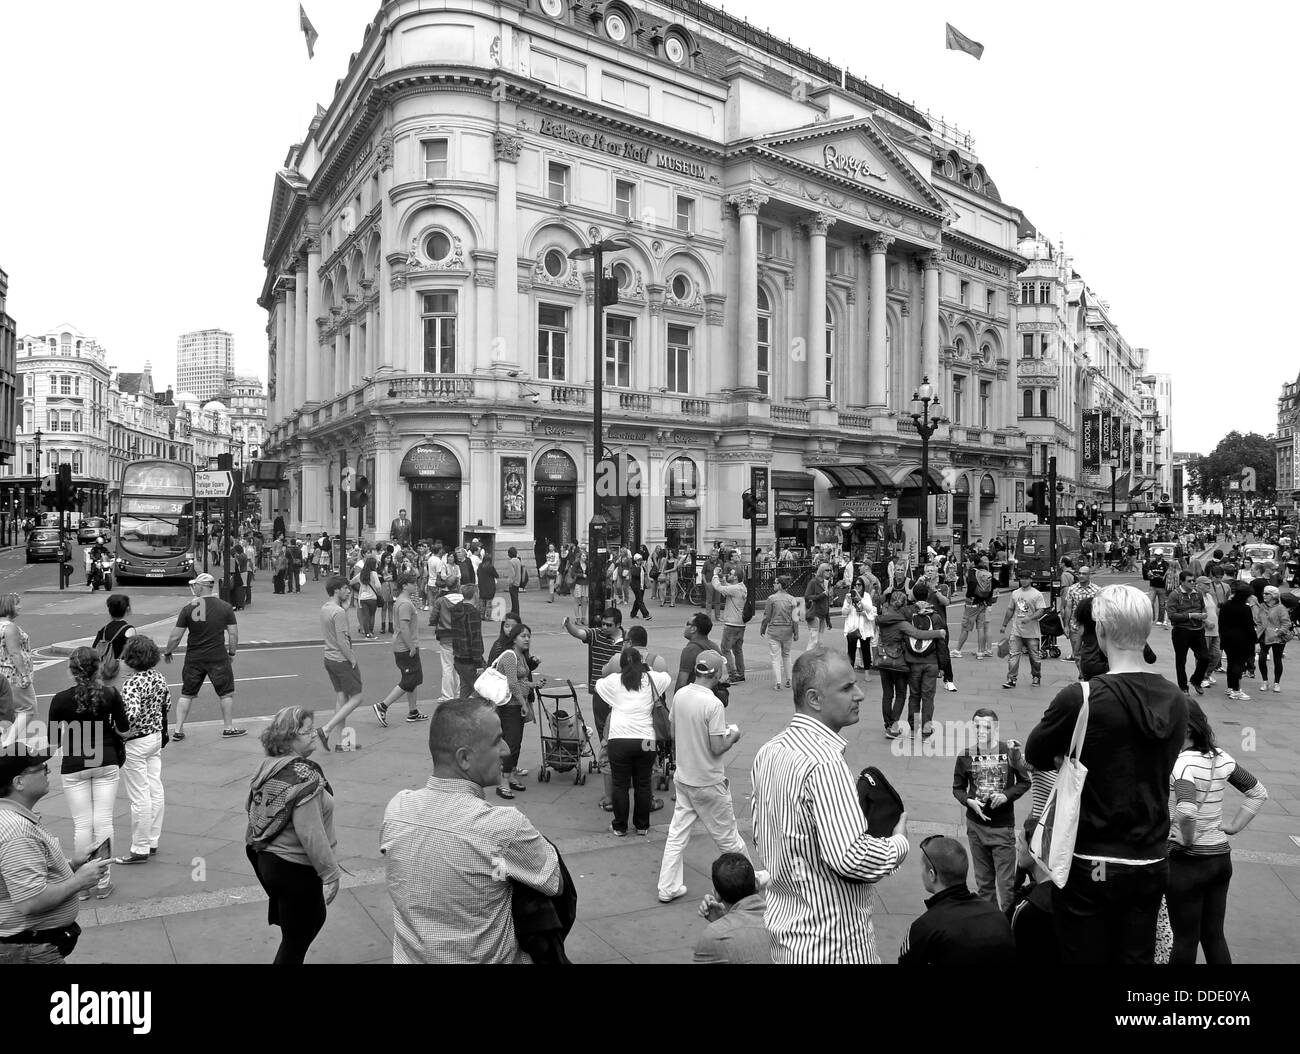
(1052, 844)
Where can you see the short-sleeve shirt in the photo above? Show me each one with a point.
(698, 714)
(1024, 604)
(404, 612)
(335, 628)
(30, 859)
(689, 654)
(207, 619)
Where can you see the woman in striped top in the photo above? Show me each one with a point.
(1200, 862)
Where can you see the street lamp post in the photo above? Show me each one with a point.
(595, 252)
(927, 415)
(885, 503)
(37, 485)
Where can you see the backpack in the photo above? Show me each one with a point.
(747, 611)
(921, 620)
(983, 584)
(523, 577)
(108, 662)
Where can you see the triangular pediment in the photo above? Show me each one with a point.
(855, 152)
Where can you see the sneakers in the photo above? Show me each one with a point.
(104, 892)
(893, 731)
(676, 894)
(950, 686)
(381, 714)
(927, 730)
(1008, 684)
(1037, 681)
(955, 654)
(1208, 682)
(643, 831)
(1277, 688)
(983, 654)
(1200, 688)
(1241, 697)
(1263, 686)
(228, 733)
(615, 832)
(413, 716)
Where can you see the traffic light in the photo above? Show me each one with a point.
(49, 499)
(63, 488)
(360, 492)
(748, 506)
(608, 291)
(1036, 500)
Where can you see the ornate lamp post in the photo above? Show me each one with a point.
(927, 415)
(808, 505)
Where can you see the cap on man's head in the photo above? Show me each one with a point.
(203, 580)
(18, 759)
(710, 664)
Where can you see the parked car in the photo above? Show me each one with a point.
(93, 529)
(43, 544)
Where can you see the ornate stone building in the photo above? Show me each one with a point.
(802, 249)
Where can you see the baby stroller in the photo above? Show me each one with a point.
(1051, 627)
(566, 739)
(665, 763)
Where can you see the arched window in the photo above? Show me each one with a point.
(1029, 403)
(66, 344)
(830, 354)
(764, 343)
(683, 479)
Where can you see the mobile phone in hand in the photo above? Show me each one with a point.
(103, 850)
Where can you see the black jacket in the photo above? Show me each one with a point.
(1033, 929)
(1236, 625)
(1136, 726)
(959, 929)
(542, 922)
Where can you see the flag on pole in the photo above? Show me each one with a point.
(309, 31)
(958, 41)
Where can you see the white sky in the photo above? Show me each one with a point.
(140, 141)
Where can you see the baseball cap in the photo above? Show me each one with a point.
(18, 758)
(711, 663)
(203, 580)
(1202, 581)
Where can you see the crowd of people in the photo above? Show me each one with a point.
(471, 882)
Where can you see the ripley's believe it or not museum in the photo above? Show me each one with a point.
(803, 250)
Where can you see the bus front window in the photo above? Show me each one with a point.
(155, 537)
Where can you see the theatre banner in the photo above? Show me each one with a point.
(1092, 441)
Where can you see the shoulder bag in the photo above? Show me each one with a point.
(660, 716)
(1052, 843)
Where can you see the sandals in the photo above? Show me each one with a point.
(177, 736)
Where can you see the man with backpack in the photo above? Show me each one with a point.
(1156, 572)
(979, 598)
(922, 657)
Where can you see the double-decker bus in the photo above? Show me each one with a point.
(155, 531)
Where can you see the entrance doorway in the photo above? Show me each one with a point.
(555, 499)
(433, 475)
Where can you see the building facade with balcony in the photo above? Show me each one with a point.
(803, 250)
(63, 417)
(245, 398)
(1288, 452)
(8, 402)
(1157, 400)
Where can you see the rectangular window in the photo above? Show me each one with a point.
(990, 302)
(963, 293)
(830, 363)
(1042, 402)
(76, 385)
(65, 385)
(626, 94)
(552, 342)
(986, 389)
(557, 181)
(572, 76)
(51, 421)
(769, 240)
(1044, 345)
(1027, 346)
(764, 354)
(31, 385)
(1026, 292)
(958, 398)
(439, 317)
(1044, 292)
(679, 359)
(835, 260)
(435, 159)
(685, 213)
(76, 462)
(618, 352)
(625, 198)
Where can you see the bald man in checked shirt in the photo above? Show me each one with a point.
(809, 828)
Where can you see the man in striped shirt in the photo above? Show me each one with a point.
(809, 828)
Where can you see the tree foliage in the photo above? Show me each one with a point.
(1211, 476)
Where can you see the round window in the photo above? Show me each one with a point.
(555, 263)
(623, 274)
(675, 50)
(616, 27)
(438, 247)
(553, 8)
(681, 287)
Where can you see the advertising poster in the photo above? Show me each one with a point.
(514, 491)
(1092, 441)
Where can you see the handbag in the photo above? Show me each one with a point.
(659, 716)
(1004, 648)
(1053, 839)
(492, 685)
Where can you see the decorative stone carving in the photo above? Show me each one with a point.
(933, 260)
(851, 295)
(748, 202)
(384, 151)
(570, 280)
(487, 279)
(905, 309)
(820, 223)
(789, 280)
(507, 147)
(880, 243)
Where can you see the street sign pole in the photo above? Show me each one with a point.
(343, 518)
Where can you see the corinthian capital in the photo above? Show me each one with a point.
(507, 147)
(880, 243)
(747, 203)
(934, 260)
(820, 223)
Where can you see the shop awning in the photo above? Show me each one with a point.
(855, 477)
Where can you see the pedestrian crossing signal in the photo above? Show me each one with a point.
(748, 507)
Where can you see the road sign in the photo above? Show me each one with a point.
(213, 484)
(847, 520)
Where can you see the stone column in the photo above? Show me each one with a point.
(294, 316)
(309, 388)
(857, 349)
(930, 324)
(747, 206)
(509, 325)
(877, 322)
(815, 388)
(283, 362)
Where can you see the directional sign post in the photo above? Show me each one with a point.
(208, 485)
